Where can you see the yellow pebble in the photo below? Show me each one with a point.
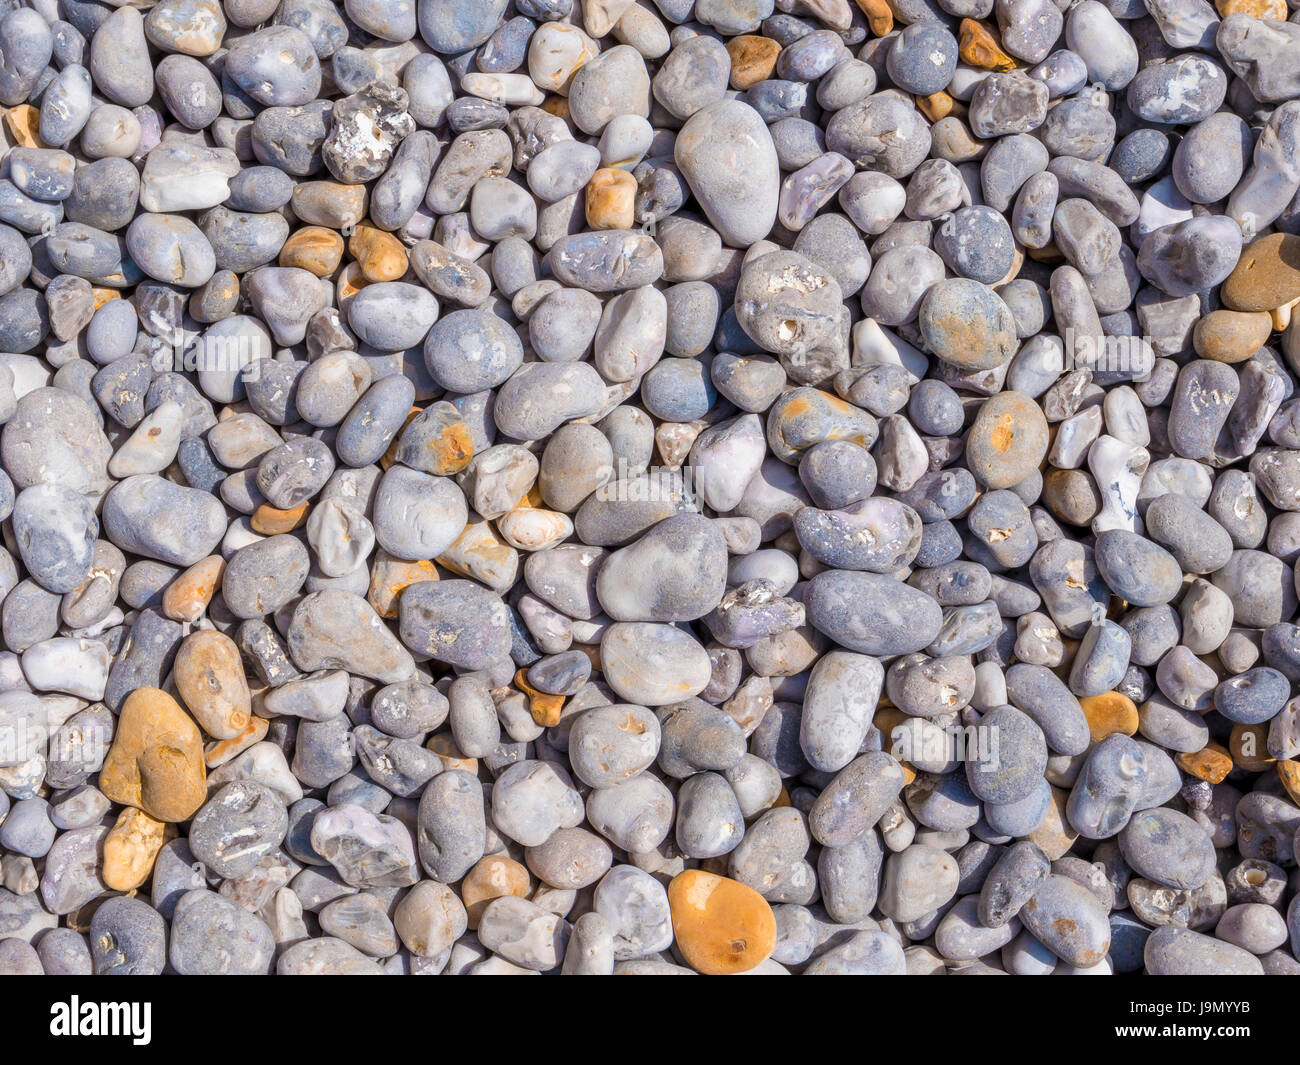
(753, 59)
(131, 847)
(545, 708)
(980, 48)
(721, 925)
(611, 199)
(493, 877)
(24, 122)
(188, 596)
(1269, 9)
(1212, 762)
(1109, 713)
(270, 521)
(379, 254)
(880, 16)
(313, 248)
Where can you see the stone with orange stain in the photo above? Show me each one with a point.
(209, 676)
(1007, 441)
(156, 761)
(313, 248)
(24, 122)
(753, 59)
(188, 596)
(1109, 713)
(493, 877)
(1212, 762)
(131, 848)
(389, 577)
(804, 417)
(380, 255)
(1248, 746)
(103, 295)
(979, 47)
(271, 521)
(435, 440)
(721, 926)
(611, 199)
(219, 752)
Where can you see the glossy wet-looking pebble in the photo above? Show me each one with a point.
(676, 486)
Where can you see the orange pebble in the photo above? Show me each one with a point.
(313, 248)
(980, 48)
(188, 596)
(1212, 762)
(753, 59)
(1109, 713)
(269, 520)
(721, 926)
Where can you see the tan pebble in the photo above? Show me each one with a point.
(1055, 836)
(156, 760)
(611, 199)
(1231, 336)
(534, 529)
(313, 248)
(720, 925)
(1212, 762)
(445, 748)
(557, 106)
(1248, 746)
(270, 521)
(1109, 713)
(329, 203)
(24, 122)
(753, 59)
(131, 847)
(219, 752)
(209, 675)
(935, 106)
(380, 255)
(188, 596)
(493, 877)
(1266, 276)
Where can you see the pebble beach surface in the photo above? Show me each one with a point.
(661, 487)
